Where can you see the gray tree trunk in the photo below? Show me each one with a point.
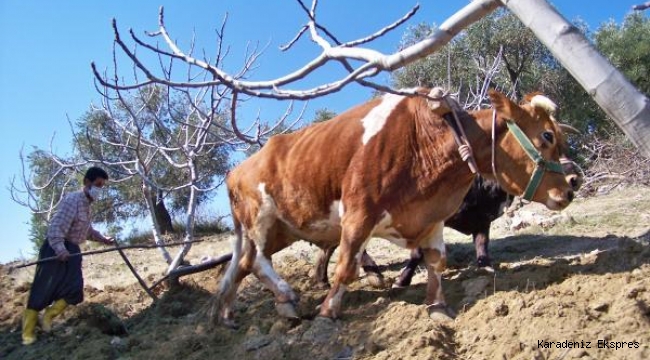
(628, 107)
(155, 226)
(162, 214)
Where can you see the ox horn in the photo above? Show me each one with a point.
(566, 128)
(543, 103)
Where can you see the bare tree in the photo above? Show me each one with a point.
(173, 141)
(41, 187)
(168, 139)
(609, 88)
(181, 126)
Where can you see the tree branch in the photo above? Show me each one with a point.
(373, 61)
(641, 6)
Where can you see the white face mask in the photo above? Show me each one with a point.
(94, 192)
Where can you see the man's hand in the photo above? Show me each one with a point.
(109, 241)
(63, 255)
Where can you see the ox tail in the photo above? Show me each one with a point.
(227, 289)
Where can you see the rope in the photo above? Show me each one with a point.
(464, 147)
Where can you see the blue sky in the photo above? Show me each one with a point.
(46, 48)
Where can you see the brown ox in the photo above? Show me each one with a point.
(388, 168)
(484, 203)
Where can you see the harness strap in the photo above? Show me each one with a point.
(541, 165)
(464, 147)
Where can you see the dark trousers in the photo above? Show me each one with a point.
(56, 279)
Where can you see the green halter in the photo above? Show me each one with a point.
(541, 165)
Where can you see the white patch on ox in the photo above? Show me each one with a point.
(266, 216)
(333, 218)
(385, 230)
(375, 120)
(335, 212)
(266, 269)
(435, 239)
(359, 255)
(336, 299)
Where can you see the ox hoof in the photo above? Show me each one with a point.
(327, 312)
(441, 312)
(229, 323)
(320, 285)
(287, 310)
(401, 283)
(376, 280)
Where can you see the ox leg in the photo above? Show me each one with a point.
(373, 275)
(407, 273)
(481, 241)
(320, 277)
(435, 259)
(353, 241)
(285, 297)
(230, 293)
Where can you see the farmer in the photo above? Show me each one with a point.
(59, 283)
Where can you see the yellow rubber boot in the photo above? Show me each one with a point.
(51, 312)
(30, 318)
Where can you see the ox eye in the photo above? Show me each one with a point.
(548, 136)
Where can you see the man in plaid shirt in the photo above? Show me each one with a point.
(58, 284)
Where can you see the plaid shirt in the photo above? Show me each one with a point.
(72, 222)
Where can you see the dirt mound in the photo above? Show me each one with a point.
(100, 317)
(584, 310)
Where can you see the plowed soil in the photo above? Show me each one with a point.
(577, 289)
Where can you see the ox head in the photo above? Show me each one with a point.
(528, 155)
(573, 172)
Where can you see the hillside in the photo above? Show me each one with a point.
(582, 276)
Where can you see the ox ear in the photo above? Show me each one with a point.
(504, 106)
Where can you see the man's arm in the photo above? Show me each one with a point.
(95, 235)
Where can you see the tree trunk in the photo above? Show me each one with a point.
(155, 227)
(628, 107)
(189, 220)
(162, 215)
